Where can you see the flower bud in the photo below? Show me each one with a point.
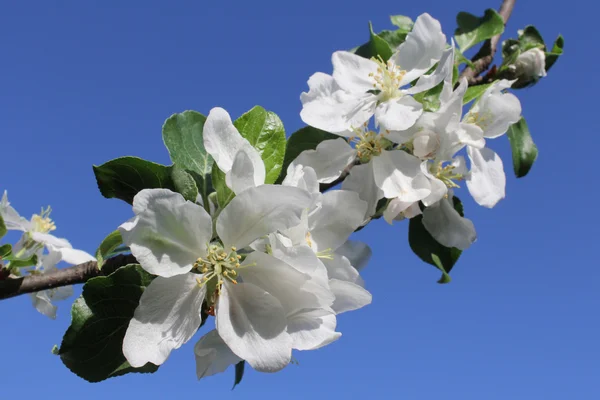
(531, 65)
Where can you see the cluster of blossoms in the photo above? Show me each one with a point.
(275, 266)
(39, 247)
(413, 158)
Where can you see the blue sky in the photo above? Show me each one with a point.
(83, 82)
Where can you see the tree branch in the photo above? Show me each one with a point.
(11, 287)
(484, 57)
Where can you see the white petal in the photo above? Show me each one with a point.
(245, 172)
(320, 85)
(353, 73)
(487, 181)
(340, 268)
(358, 253)
(293, 289)
(422, 48)
(446, 225)
(460, 165)
(303, 259)
(362, 181)
(312, 329)
(443, 70)
(398, 114)
(348, 296)
(329, 159)
(302, 177)
(168, 233)
(74, 256)
(339, 112)
(61, 293)
(399, 175)
(259, 211)
(496, 111)
(212, 355)
(42, 304)
(339, 214)
(167, 317)
(412, 211)
(394, 210)
(50, 240)
(11, 217)
(223, 141)
(254, 326)
(438, 188)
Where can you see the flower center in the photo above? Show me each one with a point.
(388, 79)
(369, 144)
(479, 119)
(42, 222)
(217, 266)
(447, 175)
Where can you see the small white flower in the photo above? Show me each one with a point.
(360, 88)
(171, 238)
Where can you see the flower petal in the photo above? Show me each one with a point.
(329, 159)
(422, 48)
(41, 302)
(398, 174)
(339, 112)
(303, 259)
(254, 326)
(339, 267)
(212, 355)
(394, 210)
(496, 111)
(167, 317)
(168, 233)
(302, 177)
(348, 296)
(74, 256)
(223, 141)
(312, 329)
(358, 253)
(292, 288)
(362, 181)
(446, 225)
(398, 114)
(443, 70)
(487, 181)
(438, 188)
(11, 217)
(245, 172)
(339, 214)
(353, 73)
(259, 211)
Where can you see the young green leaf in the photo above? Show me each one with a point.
(403, 22)
(184, 183)
(3, 229)
(472, 29)
(473, 92)
(92, 346)
(5, 250)
(239, 373)
(183, 136)
(307, 138)
(108, 245)
(224, 194)
(379, 47)
(524, 150)
(264, 130)
(124, 177)
(556, 51)
(530, 38)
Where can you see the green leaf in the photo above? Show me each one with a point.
(184, 183)
(307, 138)
(3, 229)
(124, 177)
(108, 245)
(5, 250)
(393, 38)
(264, 130)
(22, 262)
(510, 51)
(183, 136)
(459, 58)
(473, 92)
(403, 22)
(472, 29)
(429, 250)
(224, 194)
(92, 346)
(379, 47)
(430, 98)
(524, 151)
(530, 38)
(556, 51)
(239, 373)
